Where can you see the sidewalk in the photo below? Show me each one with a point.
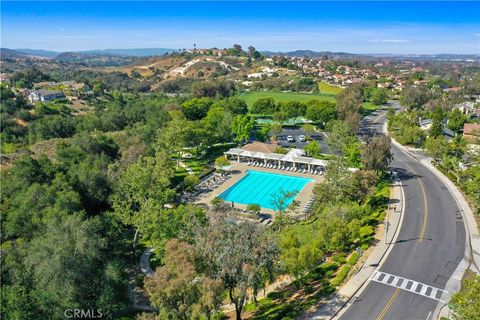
(356, 284)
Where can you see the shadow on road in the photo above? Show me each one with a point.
(405, 175)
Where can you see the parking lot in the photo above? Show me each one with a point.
(295, 133)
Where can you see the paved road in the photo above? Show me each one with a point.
(430, 245)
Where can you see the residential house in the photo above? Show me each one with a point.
(466, 107)
(471, 132)
(44, 95)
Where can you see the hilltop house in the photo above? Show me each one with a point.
(44, 95)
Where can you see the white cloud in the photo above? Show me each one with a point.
(476, 34)
(390, 40)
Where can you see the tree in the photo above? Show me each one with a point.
(334, 189)
(217, 124)
(349, 104)
(209, 89)
(313, 149)
(196, 108)
(64, 263)
(233, 105)
(300, 249)
(321, 111)
(190, 181)
(456, 119)
(221, 162)
(341, 137)
(238, 48)
(238, 254)
(177, 289)
(264, 106)
(144, 185)
(379, 97)
(465, 303)
(415, 97)
(437, 147)
(293, 109)
(242, 127)
(376, 154)
(275, 129)
(437, 123)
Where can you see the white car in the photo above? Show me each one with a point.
(290, 139)
(302, 138)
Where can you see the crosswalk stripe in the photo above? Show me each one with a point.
(408, 285)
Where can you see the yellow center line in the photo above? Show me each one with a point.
(389, 304)
(425, 210)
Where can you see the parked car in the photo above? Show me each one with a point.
(290, 139)
(302, 138)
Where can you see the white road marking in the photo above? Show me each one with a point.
(412, 285)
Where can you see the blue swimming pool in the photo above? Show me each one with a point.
(258, 187)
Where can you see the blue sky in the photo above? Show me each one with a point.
(357, 27)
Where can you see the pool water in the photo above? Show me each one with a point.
(258, 187)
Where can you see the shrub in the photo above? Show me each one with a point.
(341, 275)
(339, 258)
(353, 259)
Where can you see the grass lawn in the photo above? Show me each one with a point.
(251, 97)
(368, 107)
(326, 88)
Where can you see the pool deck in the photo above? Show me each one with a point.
(238, 170)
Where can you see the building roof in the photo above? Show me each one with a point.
(260, 147)
(48, 92)
(472, 129)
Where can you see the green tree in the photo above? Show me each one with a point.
(437, 147)
(233, 105)
(264, 106)
(177, 289)
(379, 97)
(196, 108)
(300, 249)
(437, 122)
(415, 97)
(321, 111)
(144, 184)
(465, 303)
(376, 154)
(190, 181)
(293, 109)
(64, 262)
(242, 127)
(456, 119)
(238, 254)
(313, 149)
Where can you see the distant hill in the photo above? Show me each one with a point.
(38, 52)
(141, 52)
(9, 53)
